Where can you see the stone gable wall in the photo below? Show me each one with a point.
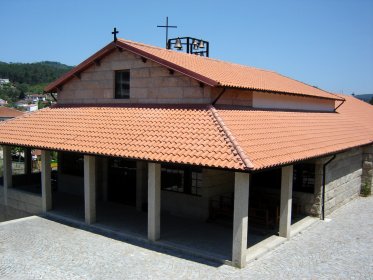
(150, 83)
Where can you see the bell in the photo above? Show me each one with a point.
(201, 44)
(195, 44)
(178, 44)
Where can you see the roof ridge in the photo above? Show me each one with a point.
(201, 57)
(338, 97)
(245, 159)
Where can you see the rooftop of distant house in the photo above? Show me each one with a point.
(6, 112)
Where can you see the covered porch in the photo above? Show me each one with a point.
(144, 218)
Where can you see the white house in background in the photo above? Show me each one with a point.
(4, 81)
(30, 107)
(27, 106)
(3, 102)
(35, 98)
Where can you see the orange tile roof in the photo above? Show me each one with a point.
(209, 71)
(6, 112)
(238, 139)
(271, 138)
(185, 135)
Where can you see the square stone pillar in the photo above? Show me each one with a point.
(90, 189)
(7, 171)
(28, 161)
(154, 201)
(46, 186)
(286, 201)
(240, 218)
(140, 180)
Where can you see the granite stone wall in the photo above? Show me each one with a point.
(149, 83)
(343, 179)
(343, 183)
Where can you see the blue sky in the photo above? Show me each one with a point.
(327, 43)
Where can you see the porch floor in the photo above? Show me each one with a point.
(210, 239)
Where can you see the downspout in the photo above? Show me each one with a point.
(323, 187)
(343, 101)
(54, 98)
(218, 97)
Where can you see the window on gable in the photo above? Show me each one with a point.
(122, 84)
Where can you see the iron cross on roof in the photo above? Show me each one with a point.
(167, 27)
(115, 32)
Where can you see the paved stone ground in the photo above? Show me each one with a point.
(35, 248)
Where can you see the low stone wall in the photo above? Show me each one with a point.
(22, 201)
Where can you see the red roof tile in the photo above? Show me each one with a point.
(209, 71)
(195, 135)
(271, 138)
(186, 135)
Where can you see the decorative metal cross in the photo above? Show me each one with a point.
(115, 32)
(167, 27)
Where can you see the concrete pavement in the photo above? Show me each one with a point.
(36, 248)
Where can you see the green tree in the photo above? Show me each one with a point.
(38, 88)
(23, 89)
(43, 104)
(9, 93)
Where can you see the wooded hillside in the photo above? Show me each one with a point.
(32, 73)
(28, 78)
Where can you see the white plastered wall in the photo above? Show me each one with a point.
(265, 100)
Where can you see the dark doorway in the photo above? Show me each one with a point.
(122, 181)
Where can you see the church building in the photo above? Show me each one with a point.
(213, 158)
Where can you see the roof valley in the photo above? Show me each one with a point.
(245, 159)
